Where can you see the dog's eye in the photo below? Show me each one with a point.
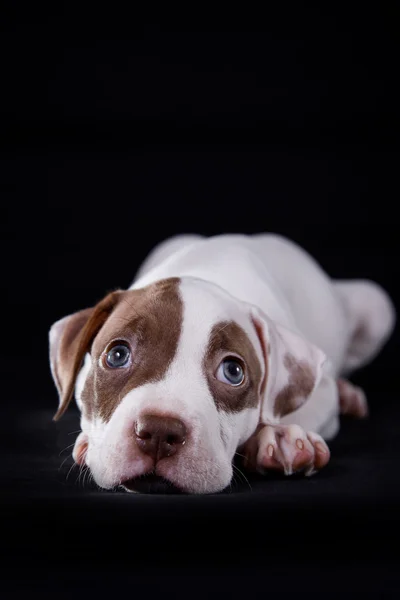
(230, 371)
(118, 356)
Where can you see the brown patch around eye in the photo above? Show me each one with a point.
(227, 337)
(301, 384)
(153, 317)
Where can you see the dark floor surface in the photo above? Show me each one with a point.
(276, 530)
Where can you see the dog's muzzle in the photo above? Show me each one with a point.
(160, 438)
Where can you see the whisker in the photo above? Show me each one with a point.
(72, 466)
(91, 479)
(238, 454)
(236, 471)
(70, 446)
(64, 461)
(81, 473)
(85, 476)
(244, 477)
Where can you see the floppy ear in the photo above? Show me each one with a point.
(293, 367)
(69, 339)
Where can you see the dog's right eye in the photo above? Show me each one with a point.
(118, 356)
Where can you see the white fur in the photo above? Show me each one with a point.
(234, 277)
(205, 463)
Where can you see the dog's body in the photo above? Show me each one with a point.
(201, 314)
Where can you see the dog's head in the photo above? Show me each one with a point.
(172, 378)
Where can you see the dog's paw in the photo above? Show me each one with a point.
(352, 399)
(285, 448)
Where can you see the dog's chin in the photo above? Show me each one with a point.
(150, 483)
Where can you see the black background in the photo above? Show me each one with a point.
(118, 132)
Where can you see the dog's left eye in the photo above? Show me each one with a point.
(118, 356)
(230, 371)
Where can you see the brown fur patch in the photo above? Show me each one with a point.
(227, 337)
(70, 339)
(64, 334)
(150, 320)
(300, 385)
(266, 350)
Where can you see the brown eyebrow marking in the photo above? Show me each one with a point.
(226, 337)
(152, 316)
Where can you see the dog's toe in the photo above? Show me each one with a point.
(288, 449)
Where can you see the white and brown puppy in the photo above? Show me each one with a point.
(221, 344)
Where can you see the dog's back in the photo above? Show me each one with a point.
(283, 280)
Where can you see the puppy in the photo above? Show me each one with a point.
(221, 345)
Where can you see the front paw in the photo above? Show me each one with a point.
(285, 448)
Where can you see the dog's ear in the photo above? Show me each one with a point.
(69, 340)
(293, 367)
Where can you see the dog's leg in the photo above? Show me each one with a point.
(370, 316)
(352, 399)
(320, 412)
(297, 442)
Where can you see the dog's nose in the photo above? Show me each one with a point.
(159, 437)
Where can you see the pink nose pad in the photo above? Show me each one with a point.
(159, 437)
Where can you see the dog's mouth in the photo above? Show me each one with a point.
(150, 483)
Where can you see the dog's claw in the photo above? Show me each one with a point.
(310, 472)
(288, 470)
